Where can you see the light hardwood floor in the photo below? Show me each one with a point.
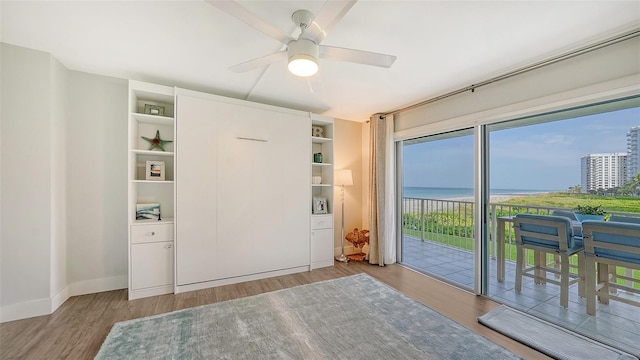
(77, 329)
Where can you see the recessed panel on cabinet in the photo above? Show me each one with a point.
(151, 265)
(321, 248)
(196, 188)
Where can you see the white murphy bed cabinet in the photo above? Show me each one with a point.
(243, 190)
(242, 196)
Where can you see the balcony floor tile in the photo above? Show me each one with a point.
(616, 324)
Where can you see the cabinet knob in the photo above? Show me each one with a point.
(169, 246)
(152, 233)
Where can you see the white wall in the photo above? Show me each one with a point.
(365, 166)
(347, 150)
(96, 182)
(58, 244)
(63, 218)
(26, 181)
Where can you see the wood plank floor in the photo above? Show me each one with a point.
(77, 329)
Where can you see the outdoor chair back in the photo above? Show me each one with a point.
(625, 219)
(607, 244)
(546, 234)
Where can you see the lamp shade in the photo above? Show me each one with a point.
(343, 177)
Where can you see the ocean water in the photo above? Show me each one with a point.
(448, 193)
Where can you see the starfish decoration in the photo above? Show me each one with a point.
(156, 142)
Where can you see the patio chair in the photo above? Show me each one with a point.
(577, 231)
(547, 234)
(625, 219)
(610, 244)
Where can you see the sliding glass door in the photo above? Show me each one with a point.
(574, 160)
(437, 206)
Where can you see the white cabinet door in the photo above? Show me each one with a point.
(321, 247)
(280, 211)
(321, 241)
(263, 180)
(242, 194)
(196, 195)
(151, 265)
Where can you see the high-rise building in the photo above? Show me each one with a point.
(603, 171)
(633, 151)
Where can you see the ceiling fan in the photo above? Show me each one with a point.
(304, 52)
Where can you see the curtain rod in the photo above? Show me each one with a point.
(598, 45)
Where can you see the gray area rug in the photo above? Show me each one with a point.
(355, 317)
(548, 338)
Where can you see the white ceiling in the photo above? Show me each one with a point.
(441, 45)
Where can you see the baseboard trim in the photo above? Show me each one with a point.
(24, 310)
(143, 293)
(58, 299)
(321, 264)
(47, 306)
(98, 285)
(239, 279)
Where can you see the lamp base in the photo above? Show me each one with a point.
(342, 258)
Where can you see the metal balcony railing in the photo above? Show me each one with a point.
(450, 222)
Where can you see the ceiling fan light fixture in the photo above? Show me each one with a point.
(303, 65)
(303, 57)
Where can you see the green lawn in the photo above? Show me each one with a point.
(570, 201)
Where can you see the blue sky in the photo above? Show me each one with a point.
(535, 157)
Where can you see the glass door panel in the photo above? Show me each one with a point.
(437, 206)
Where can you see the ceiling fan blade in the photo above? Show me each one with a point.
(356, 56)
(330, 14)
(237, 11)
(259, 62)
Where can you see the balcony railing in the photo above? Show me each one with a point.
(450, 223)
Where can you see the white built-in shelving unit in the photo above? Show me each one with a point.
(151, 241)
(322, 246)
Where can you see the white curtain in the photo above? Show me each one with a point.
(382, 216)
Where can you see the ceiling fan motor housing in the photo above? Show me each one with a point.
(303, 47)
